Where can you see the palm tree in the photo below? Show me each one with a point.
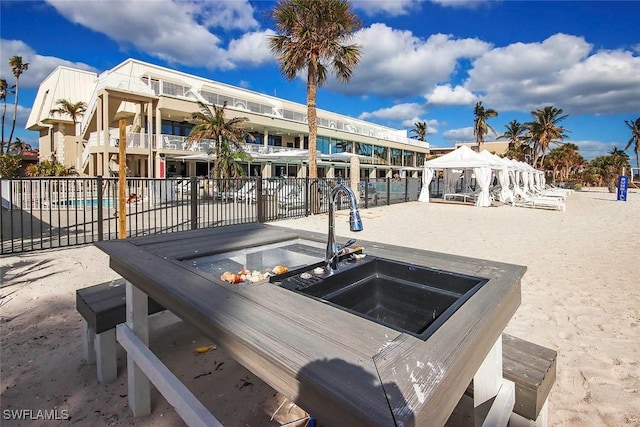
(75, 110)
(311, 35)
(18, 67)
(420, 130)
(514, 131)
(518, 148)
(608, 168)
(635, 139)
(5, 90)
(18, 147)
(545, 130)
(227, 134)
(480, 125)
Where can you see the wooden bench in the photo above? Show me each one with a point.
(532, 368)
(103, 307)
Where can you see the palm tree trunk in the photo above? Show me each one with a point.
(312, 88)
(4, 112)
(15, 115)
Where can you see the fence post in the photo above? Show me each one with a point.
(406, 187)
(366, 192)
(100, 208)
(388, 191)
(194, 203)
(259, 200)
(307, 195)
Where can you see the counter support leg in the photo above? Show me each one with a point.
(487, 382)
(137, 320)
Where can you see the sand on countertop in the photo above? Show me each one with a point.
(580, 297)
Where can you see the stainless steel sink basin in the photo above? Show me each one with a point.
(293, 254)
(408, 298)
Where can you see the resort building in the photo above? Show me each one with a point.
(157, 104)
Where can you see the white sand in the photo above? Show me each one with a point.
(580, 296)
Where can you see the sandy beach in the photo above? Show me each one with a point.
(580, 297)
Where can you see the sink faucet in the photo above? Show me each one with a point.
(355, 223)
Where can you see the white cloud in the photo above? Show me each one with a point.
(251, 48)
(397, 112)
(396, 63)
(462, 134)
(386, 7)
(40, 66)
(226, 14)
(432, 125)
(177, 32)
(471, 4)
(560, 71)
(445, 95)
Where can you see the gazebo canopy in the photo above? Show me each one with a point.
(460, 158)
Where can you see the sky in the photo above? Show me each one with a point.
(421, 60)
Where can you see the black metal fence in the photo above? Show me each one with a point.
(45, 213)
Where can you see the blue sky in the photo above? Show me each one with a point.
(421, 60)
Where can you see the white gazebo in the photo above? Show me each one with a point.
(454, 164)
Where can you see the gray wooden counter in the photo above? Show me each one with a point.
(343, 369)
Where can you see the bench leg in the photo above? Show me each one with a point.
(88, 349)
(138, 321)
(105, 351)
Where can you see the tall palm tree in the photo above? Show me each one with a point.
(227, 134)
(545, 130)
(420, 130)
(480, 125)
(5, 90)
(17, 67)
(311, 35)
(635, 139)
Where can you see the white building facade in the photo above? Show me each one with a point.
(157, 104)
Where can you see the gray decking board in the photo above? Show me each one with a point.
(335, 365)
(533, 369)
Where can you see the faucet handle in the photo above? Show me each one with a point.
(348, 243)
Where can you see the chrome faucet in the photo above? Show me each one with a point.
(355, 224)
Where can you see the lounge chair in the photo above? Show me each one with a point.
(523, 200)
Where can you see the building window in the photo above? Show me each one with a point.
(364, 149)
(409, 158)
(396, 157)
(170, 127)
(380, 154)
(419, 159)
(323, 145)
(275, 140)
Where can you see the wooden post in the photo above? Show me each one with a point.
(122, 181)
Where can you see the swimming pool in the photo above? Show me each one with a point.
(87, 203)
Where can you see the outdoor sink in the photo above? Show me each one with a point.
(293, 254)
(405, 297)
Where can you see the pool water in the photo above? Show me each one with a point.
(82, 203)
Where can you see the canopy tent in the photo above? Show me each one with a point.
(453, 163)
(501, 167)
